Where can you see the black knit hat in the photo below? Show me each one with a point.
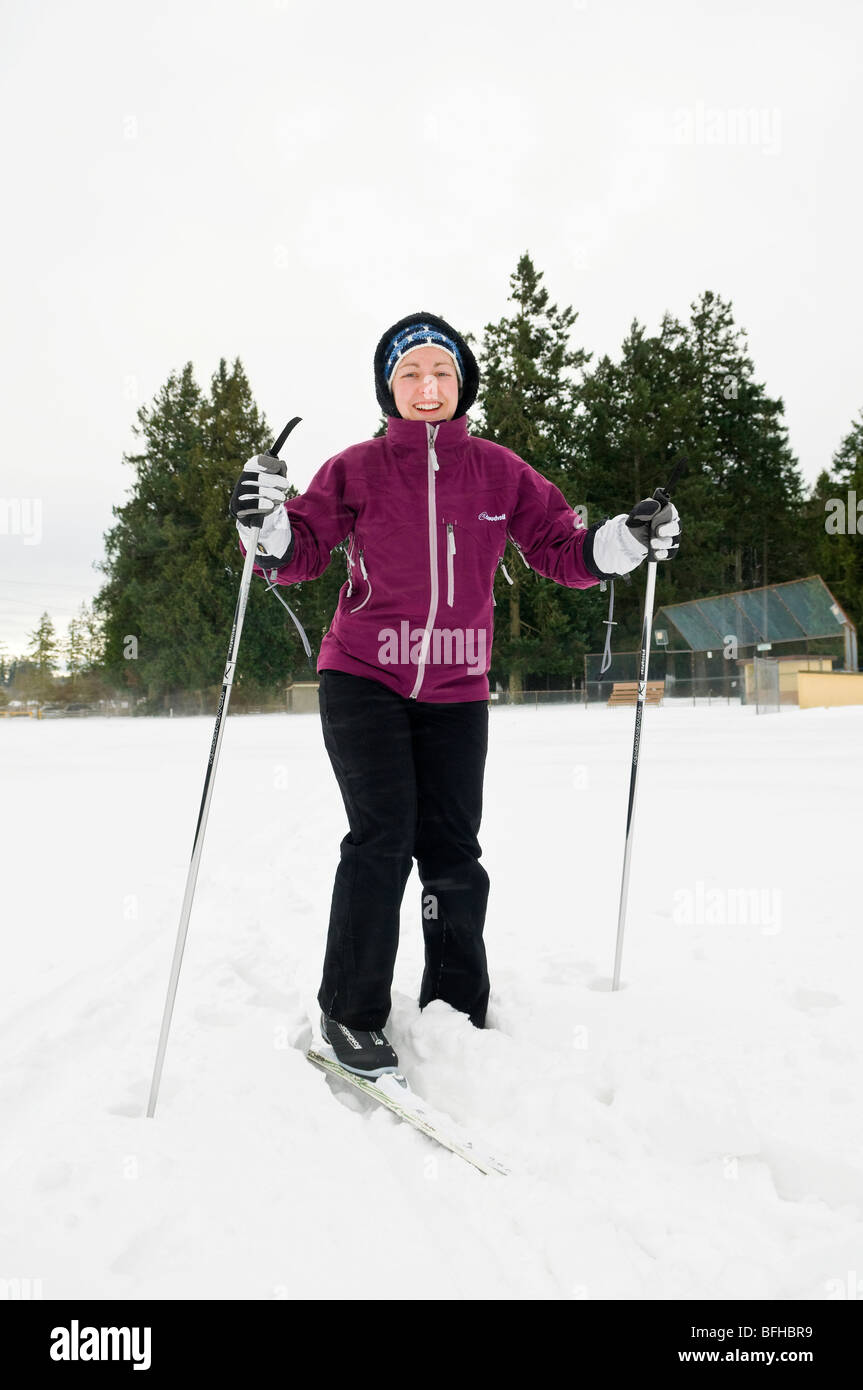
(470, 370)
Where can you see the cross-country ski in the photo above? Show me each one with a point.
(393, 1092)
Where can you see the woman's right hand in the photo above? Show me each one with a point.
(258, 500)
(261, 488)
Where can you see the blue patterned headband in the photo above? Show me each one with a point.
(420, 335)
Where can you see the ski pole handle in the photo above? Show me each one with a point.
(663, 494)
(274, 451)
(254, 498)
(278, 465)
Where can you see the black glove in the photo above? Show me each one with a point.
(261, 488)
(657, 527)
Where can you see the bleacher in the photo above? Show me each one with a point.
(626, 693)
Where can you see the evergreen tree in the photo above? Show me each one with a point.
(848, 459)
(44, 646)
(153, 526)
(818, 520)
(25, 680)
(835, 512)
(75, 646)
(43, 651)
(638, 416)
(84, 652)
(173, 561)
(759, 491)
(93, 637)
(527, 402)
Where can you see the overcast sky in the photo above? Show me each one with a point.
(281, 181)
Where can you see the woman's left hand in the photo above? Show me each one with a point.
(658, 525)
(620, 545)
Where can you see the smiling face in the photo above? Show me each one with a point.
(425, 386)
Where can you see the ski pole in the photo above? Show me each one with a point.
(209, 779)
(663, 496)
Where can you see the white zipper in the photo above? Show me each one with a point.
(368, 582)
(350, 562)
(433, 465)
(450, 564)
(500, 565)
(512, 538)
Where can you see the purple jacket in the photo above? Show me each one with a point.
(426, 511)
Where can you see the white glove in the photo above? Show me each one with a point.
(274, 536)
(660, 522)
(615, 549)
(621, 543)
(260, 495)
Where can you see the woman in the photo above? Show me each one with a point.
(426, 512)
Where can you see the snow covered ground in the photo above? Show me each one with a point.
(695, 1135)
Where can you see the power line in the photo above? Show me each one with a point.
(42, 584)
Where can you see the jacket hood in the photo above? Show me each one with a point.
(470, 384)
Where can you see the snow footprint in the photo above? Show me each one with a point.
(813, 1001)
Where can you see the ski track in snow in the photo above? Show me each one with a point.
(695, 1135)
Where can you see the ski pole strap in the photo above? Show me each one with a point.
(271, 589)
(609, 624)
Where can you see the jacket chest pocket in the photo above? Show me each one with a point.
(450, 562)
(387, 564)
(471, 548)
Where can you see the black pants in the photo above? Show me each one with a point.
(411, 778)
